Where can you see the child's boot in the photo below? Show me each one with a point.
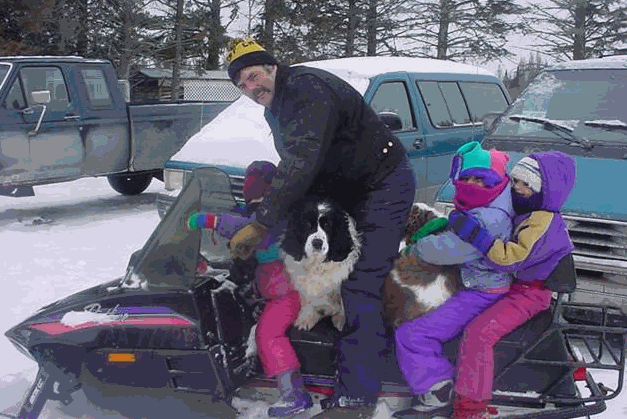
(465, 408)
(293, 398)
(437, 402)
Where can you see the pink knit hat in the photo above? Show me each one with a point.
(499, 162)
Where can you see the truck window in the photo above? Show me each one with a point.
(455, 102)
(482, 98)
(573, 98)
(45, 78)
(445, 103)
(15, 99)
(97, 89)
(393, 97)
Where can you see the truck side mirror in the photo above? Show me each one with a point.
(392, 120)
(490, 120)
(41, 97)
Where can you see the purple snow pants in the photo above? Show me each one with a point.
(419, 341)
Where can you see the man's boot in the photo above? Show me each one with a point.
(293, 397)
(343, 407)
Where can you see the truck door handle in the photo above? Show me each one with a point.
(72, 117)
(419, 143)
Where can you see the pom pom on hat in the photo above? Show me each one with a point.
(244, 53)
(472, 160)
(258, 178)
(528, 170)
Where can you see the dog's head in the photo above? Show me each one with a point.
(319, 229)
(419, 215)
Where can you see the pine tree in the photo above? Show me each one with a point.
(464, 29)
(580, 29)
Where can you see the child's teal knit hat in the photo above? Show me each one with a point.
(472, 160)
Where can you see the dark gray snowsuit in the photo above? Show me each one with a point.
(332, 143)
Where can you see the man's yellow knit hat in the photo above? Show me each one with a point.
(244, 53)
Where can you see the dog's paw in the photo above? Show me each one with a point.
(305, 323)
(307, 318)
(339, 320)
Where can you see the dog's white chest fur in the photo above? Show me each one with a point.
(319, 284)
(319, 280)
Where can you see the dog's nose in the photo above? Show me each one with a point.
(317, 244)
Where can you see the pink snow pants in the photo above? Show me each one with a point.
(475, 363)
(275, 350)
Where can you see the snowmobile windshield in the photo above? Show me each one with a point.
(172, 254)
(581, 106)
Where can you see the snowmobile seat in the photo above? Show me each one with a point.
(315, 347)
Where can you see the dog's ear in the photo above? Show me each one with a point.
(340, 236)
(419, 215)
(292, 247)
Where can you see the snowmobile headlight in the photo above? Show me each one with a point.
(121, 357)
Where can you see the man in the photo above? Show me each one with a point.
(332, 143)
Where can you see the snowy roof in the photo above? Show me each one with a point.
(236, 137)
(164, 73)
(615, 61)
(372, 66)
(52, 58)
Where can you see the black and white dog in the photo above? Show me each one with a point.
(322, 246)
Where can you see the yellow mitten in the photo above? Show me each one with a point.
(244, 241)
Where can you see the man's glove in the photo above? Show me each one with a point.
(198, 220)
(244, 241)
(471, 231)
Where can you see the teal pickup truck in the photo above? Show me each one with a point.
(580, 108)
(64, 118)
(433, 107)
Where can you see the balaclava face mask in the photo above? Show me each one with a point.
(524, 205)
(528, 171)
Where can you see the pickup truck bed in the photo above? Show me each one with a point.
(64, 118)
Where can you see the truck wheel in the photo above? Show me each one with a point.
(128, 184)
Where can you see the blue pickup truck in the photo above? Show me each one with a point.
(64, 118)
(432, 106)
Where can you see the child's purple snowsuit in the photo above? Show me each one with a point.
(419, 342)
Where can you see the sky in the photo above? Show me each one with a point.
(72, 236)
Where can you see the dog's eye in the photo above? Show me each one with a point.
(325, 222)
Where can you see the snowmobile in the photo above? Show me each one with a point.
(182, 317)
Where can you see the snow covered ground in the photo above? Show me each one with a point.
(73, 236)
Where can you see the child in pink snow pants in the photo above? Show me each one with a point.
(278, 357)
(541, 184)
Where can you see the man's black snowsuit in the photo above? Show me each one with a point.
(332, 143)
